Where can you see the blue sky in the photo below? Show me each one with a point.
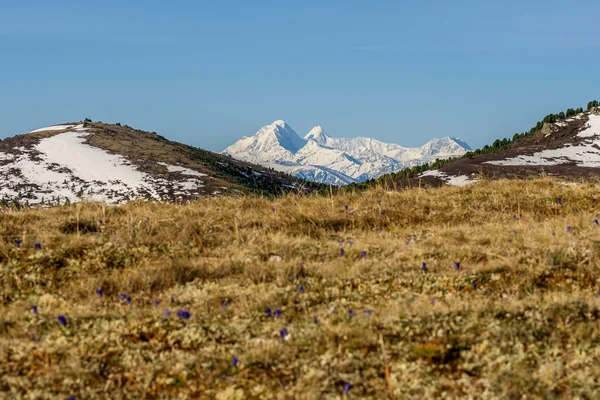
(207, 73)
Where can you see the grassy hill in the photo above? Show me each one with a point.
(277, 310)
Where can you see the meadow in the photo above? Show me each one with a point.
(486, 291)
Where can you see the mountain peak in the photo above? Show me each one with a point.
(317, 134)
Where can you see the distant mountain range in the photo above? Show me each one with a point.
(321, 158)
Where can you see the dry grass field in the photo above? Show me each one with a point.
(307, 297)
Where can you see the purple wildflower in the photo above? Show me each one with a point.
(457, 265)
(167, 313)
(433, 299)
(559, 201)
(100, 292)
(268, 312)
(368, 313)
(474, 285)
(382, 213)
(347, 387)
(273, 209)
(363, 254)
(379, 202)
(277, 313)
(184, 314)
(350, 243)
(424, 266)
(342, 252)
(235, 362)
(18, 243)
(515, 216)
(346, 207)
(569, 228)
(128, 299)
(596, 221)
(172, 299)
(315, 320)
(593, 200)
(351, 314)
(35, 310)
(300, 289)
(100, 222)
(283, 333)
(37, 246)
(224, 305)
(553, 233)
(62, 320)
(123, 296)
(156, 302)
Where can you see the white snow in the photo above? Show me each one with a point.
(325, 159)
(54, 128)
(452, 180)
(584, 154)
(182, 170)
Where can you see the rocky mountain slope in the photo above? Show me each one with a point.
(114, 163)
(322, 158)
(568, 148)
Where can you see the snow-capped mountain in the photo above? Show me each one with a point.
(322, 158)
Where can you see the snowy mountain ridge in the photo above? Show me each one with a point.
(322, 158)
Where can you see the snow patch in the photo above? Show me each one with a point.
(452, 180)
(54, 128)
(182, 170)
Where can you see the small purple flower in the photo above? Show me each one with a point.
(100, 292)
(342, 252)
(156, 303)
(277, 313)
(346, 207)
(593, 200)
(424, 266)
(172, 299)
(18, 243)
(347, 387)
(411, 299)
(184, 314)
(37, 246)
(457, 265)
(553, 233)
(100, 222)
(224, 305)
(315, 320)
(123, 296)
(509, 240)
(283, 333)
(474, 285)
(514, 231)
(167, 313)
(569, 228)
(35, 310)
(378, 202)
(235, 362)
(596, 221)
(71, 398)
(415, 239)
(351, 314)
(300, 289)
(382, 213)
(268, 312)
(408, 243)
(363, 254)
(515, 216)
(128, 299)
(273, 209)
(62, 320)
(340, 241)
(433, 299)
(559, 201)
(368, 313)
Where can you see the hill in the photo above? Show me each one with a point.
(252, 298)
(566, 146)
(337, 161)
(113, 163)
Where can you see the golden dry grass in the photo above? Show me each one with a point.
(529, 329)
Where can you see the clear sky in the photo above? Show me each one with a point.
(208, 72)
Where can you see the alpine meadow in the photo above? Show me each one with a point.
(314, 200)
